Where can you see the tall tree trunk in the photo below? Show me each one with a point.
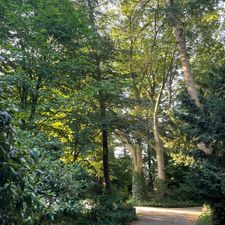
(137, 159)
(160, 182)
(34, 98)
(158, 142)
(150, 177)
(181, 43)
(159, 151)
(138, 181)
(135, 150)
(105, 147)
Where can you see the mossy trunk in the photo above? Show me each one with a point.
(138, 180)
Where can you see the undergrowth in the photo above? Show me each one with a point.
(167, 203)
(206, 216)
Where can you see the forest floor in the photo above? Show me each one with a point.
(167, 216)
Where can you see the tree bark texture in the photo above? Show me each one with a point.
(138, 181)
(183, 55)
(158, 142)
(159, 151)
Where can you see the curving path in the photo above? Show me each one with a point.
(167, 216)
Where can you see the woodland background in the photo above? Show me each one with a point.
(107, 104)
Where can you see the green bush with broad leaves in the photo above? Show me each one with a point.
(38, 188)
(18, 195)
(111, 210)
(64, 190)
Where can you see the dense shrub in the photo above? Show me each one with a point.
(38, 188)
(205, 127)
(63, 189)
(116, 212)
(139, 187)
(18, 195)
(205, 219)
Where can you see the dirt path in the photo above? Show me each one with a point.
(164, 216)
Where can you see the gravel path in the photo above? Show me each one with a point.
(166, 216)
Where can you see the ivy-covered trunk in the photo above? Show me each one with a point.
(139, 187)
(138, 182)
